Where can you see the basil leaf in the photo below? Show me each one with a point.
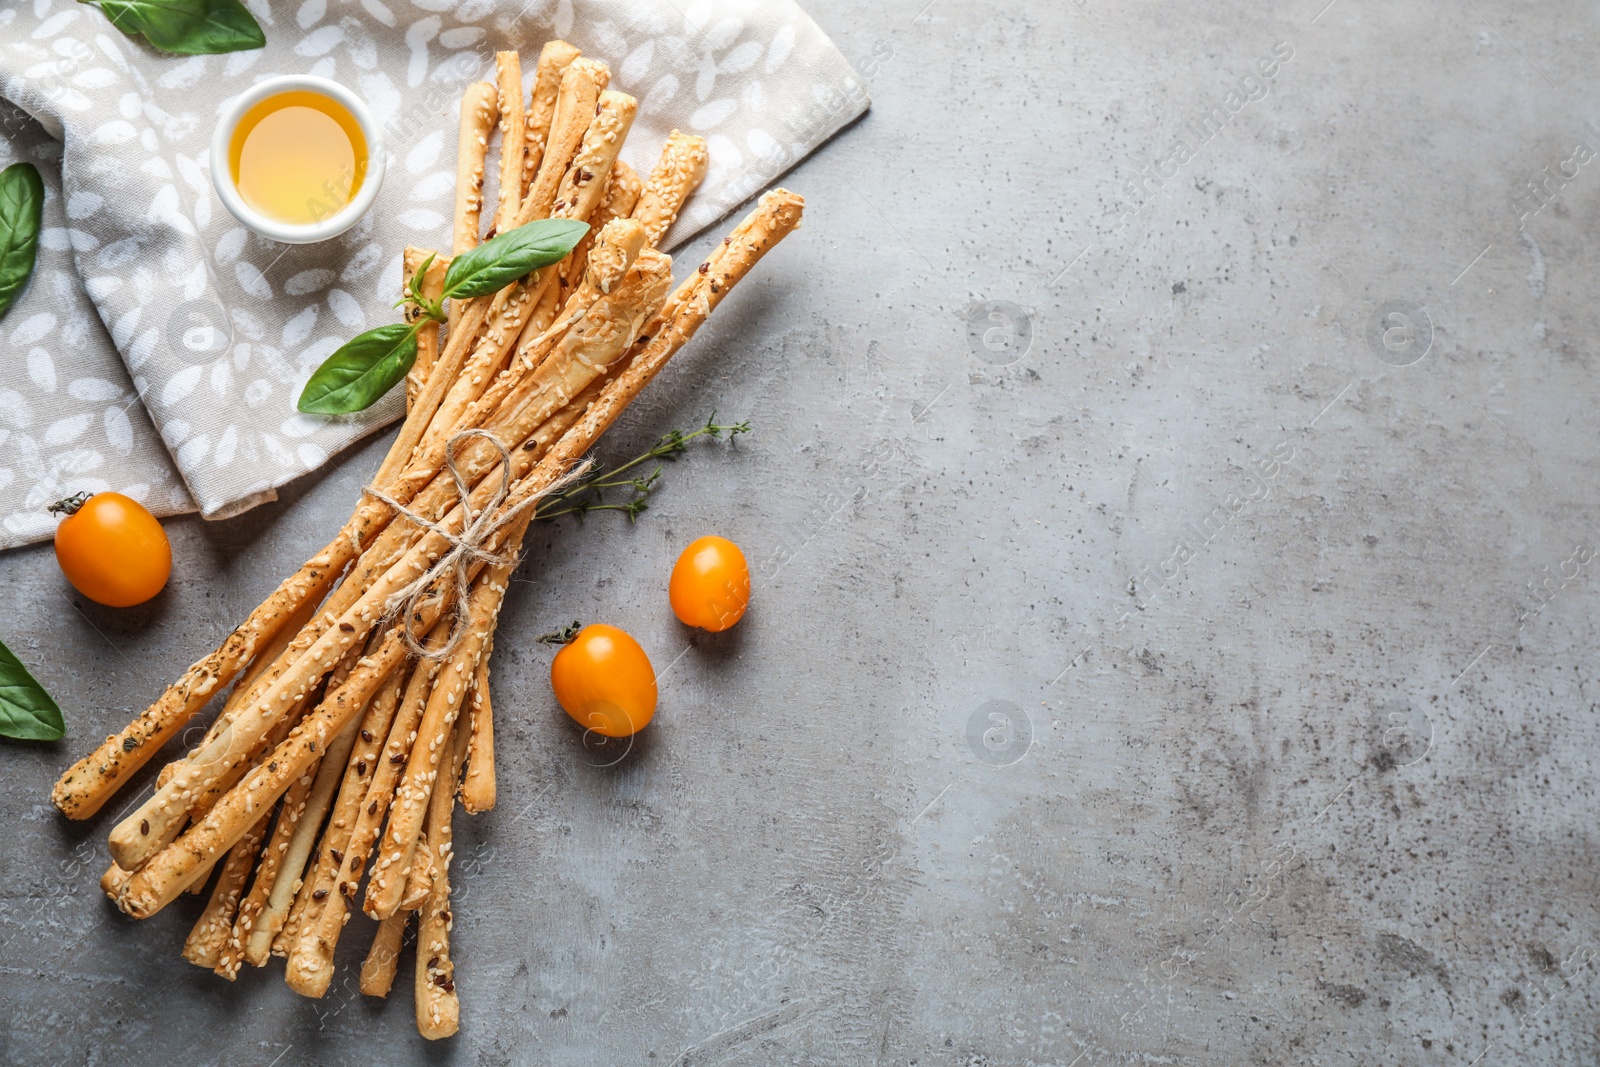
(26, 710)
(21, 208)
(501, 260)
(186, 27)
(364, 368)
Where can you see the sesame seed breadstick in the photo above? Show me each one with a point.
(554, 58)
(90, 782)
(205, 943)
(775, 217)
(578, 193)
(621, 194)
(583, 186)
(478, 788)
(438, 1007)
(678, 173)
(432, 286)
(252, 950)
(513, 130)
(271, 658)
(479, 110)
(419, 880)
(152, 887)
(359, 766)
(132, 840)
(581, 85)
(383, 959)
(582, 353)
(621, 244)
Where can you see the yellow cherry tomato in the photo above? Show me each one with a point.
(112, 550)
(605, 682)
(710, 586)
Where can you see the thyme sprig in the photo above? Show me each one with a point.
(589, 493)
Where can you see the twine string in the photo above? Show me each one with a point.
(466, 547)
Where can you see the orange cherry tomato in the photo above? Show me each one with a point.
(112, 550)
(710, 586)
(605, 682)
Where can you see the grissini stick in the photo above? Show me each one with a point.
(155, 884)
(383, 959)
(620, 243)
(579, 192)
(678, 173)
(478, 787)
(432, 285)
(210, 934)
(252, 950)
(90, 782)
(513, 129)
(554, 59)
(310, 967)
(359, 772)
(438, 1007)
(581, 85)
(133, 838)
(617, 202)
(479, 110)
(593, 343)
(270, 658)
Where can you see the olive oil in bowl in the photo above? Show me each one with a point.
(298, 157)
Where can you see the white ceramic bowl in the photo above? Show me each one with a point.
(273, 229)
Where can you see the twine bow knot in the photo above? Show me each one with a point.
(469, 546)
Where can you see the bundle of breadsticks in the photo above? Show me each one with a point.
(360, 709)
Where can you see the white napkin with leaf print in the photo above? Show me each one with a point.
(181, 390)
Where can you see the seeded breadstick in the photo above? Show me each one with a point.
(438, 1008)
(554, 59)
(479, 110)
(678, 173)
(513, 129)
(477, 790)
(617, 202)
(428, 335)
(210, 934)
(383, 959)
(272, 863)
(581, 85)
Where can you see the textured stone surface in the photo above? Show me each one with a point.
(1289, 766)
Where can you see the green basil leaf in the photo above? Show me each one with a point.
(21, 208)
(186, 27)
(364, 368)
(26, 710)
(503, 259)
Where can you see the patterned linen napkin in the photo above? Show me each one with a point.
(185, 397)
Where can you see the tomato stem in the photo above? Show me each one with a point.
(564, 636)
(70, 505)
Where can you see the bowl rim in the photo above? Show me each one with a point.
(273, 229)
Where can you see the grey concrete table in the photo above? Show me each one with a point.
(1173, 500)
